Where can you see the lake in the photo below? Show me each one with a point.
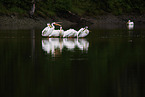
(109, 62)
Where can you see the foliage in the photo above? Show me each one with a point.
(80, 7)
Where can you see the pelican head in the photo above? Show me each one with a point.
(54, 23)
(60, 27)
(86, 27)
(128, 22)
(48, 24)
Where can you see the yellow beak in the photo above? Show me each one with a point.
(50, 26)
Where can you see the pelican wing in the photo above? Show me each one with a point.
(47, 31)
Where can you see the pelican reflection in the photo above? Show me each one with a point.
(56, 45)
(130, 27)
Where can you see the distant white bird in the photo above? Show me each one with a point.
(83, 32)
(130, 23)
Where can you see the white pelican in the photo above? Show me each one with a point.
(57, 33)
(74, 33)
(49, 29)
(70, 33)
(83, 32)
(130, 23)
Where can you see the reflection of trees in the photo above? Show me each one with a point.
(130, 27)
(112, 67)
(15, 58)
(26, 72)
(115, 67)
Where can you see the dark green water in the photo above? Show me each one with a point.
(108, 63)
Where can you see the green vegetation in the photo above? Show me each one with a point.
(46, 8)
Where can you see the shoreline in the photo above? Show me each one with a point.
(15, 22)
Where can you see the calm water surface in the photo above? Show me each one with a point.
(108, 63)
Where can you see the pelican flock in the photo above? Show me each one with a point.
(50, 31)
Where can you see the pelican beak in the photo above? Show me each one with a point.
(50, 26)
(127, 23)
(57, 24)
